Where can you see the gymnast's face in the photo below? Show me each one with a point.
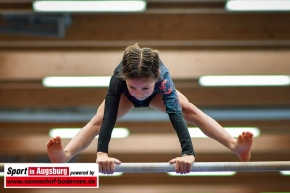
(140, 88)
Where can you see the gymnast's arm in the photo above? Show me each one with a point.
(87, 134)
(110, 116)
(167, 89)
(173, 108)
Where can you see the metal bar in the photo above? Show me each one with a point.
(267, 166)
(207, 167)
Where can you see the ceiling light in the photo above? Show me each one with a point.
(110, 175)
(241, 80)
(89, 6)
(258, 5)
(76, 81)
(230, 173)
(71, 132)
(286, 173)
(233, 131)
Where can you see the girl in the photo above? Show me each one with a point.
(141, 80)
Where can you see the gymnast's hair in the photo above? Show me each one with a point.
(140, 62)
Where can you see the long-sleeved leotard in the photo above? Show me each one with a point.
(166, 87)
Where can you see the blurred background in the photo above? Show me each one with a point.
(196, 39)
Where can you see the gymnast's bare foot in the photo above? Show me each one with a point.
(244, 145)
(56, 151)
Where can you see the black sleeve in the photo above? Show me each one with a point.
(110, 114)
(169, 95)
(181, 130)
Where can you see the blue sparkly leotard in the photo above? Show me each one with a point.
(165, 87)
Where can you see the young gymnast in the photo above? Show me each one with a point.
(142, 80)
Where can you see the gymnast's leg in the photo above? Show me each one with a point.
(240, 146)
(58, 154)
